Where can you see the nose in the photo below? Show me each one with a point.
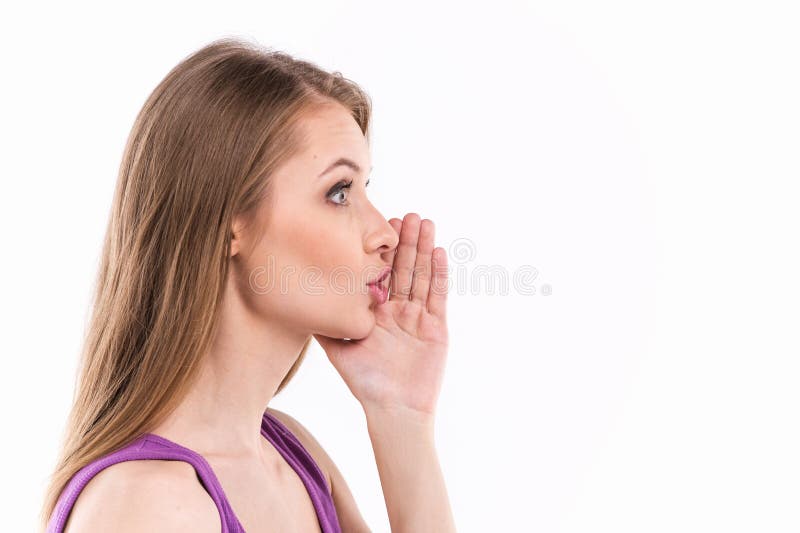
(382, 237)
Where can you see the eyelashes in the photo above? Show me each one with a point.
(339, 188)
(342, 186)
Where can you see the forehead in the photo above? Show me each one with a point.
(329, 133)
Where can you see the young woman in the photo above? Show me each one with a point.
(241, 228)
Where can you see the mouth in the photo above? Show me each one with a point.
(379, 288)
(384, 274)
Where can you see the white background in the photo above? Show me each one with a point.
(641, 156)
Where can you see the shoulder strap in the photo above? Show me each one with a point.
(148, 446)
(290, 447)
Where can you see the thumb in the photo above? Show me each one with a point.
(332, 346)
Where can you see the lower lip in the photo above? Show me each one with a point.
(379, 292)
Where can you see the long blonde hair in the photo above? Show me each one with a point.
(201, 151)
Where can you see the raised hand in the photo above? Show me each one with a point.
(400, 364)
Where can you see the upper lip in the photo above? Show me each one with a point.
(381, 276)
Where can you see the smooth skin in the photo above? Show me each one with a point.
(393, 363)
(400, 364)
(396, 373)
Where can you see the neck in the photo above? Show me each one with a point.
(221, 415)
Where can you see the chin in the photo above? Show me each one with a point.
(360, 323)
(348, 323)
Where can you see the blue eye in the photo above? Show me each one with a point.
(340, 188)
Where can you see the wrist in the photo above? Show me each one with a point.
(399, 416)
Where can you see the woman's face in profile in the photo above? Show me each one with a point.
(318, 243)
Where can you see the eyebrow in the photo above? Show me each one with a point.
(343, 161)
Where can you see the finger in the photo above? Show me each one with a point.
(421, 280)
(397, 225)
(404, 257)
(437, 295)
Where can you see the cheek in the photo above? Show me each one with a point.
(315, 265)
(310, 263)
(337, 305)
(322, 246)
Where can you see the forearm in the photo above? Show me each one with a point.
(411, 477)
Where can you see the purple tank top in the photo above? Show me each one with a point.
(151, 446)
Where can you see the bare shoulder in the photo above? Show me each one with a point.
(144, 495)
(350, 518)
